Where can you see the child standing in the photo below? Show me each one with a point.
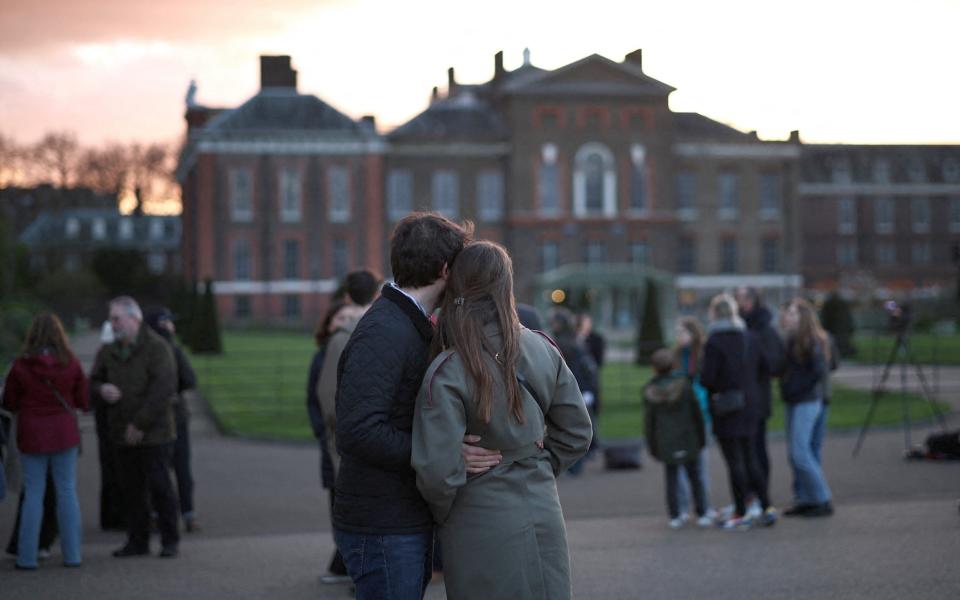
(675, 432)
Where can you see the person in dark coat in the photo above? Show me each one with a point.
(675, 433)
(161, 321)
(563, 327)
(732, 363)
(529, 317)
(763, 334)
(332, 321)
(596, 346)
(45, 388)
(137, 376)
(382, 525)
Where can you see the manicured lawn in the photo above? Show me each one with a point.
(258, 388)
(926, 348)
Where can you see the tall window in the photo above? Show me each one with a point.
(341, 259)
(445, 193)
(847, 254)
(126, 228)
(596, 253)
(920, 214)
(490, 196)
(99, 229)
(728, 255)
(686, 190)
(291, 306)
(242, 270)
(156, 228)
(291, 259)
(771, 195)
(687, 255)
(883, 214)
(548, 187)
(338, 191)
(770, 260)
(241, 195)
(549, 255)
(290, 196)
(920, 253)
(728, 188)
(640, 253)
(72, 227)
(241, 307)
(847, 214)
(594, 181)
(886, 253)
(638, 178)
(955, 214)
(399, 193)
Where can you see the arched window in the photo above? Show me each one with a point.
(594, 182)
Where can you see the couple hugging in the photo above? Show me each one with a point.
(410, 393)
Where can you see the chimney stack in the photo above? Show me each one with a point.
(434, 94)
(795, 136)
(369, 122)
(451, 83)
(276, 72)
(498, 65)
(635, 58)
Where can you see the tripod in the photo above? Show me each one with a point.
(900, 354)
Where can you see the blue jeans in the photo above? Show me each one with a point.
(809, 484)
(63, 466)
(819, 431)
(387, 567)
(683, 484)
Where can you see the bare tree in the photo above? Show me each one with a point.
(9, 159)
(57, 154)
(105, 169)
(151, 172)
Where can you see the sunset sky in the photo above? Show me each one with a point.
(837, 70)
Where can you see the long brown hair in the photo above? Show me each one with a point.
(46, 333)
(809, 332)
(695, 329)
(480, 291)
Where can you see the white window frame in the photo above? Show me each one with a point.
(290, 192)
(240, 181)
(686, 213)
(125, 228)
(638, 171)
(768, 213)
(235, 252)
(580, 181)
(920, 205)
(445, 193)
(847, 207)
(725, 212)
(549, 158)
(490, 196)
(399, 193)
(72, 228)
(884, 226)
(338, 193)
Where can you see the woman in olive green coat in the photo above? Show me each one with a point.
(502, 532)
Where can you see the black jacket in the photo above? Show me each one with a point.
(768, 343)
(580, 363)
(804, 380)
(378, 378)
(731, 361)
(316, 419)
(672, 418)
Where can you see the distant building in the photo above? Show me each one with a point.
(880, 220)
(69, 238)
(583, 172)
(20, 207)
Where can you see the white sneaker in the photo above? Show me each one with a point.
(705, 521)
(725, 513)
(754, 511)
(676, 523)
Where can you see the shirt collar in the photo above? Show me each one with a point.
(412, 299)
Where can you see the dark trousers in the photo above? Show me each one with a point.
(336, 566)
(744, 472)
(181, 464)
(692, 469)
(144, 471)
(113, 507)
(760, 451)
(48, 526)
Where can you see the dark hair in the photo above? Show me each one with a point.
(480, 291)
(46, 333)
(697, 338)
(421, 244)
(322, 333)
(663, 361)
(362, 286)
(563, 323)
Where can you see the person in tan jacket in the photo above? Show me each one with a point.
(493, 378)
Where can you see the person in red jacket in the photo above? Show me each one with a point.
(45, 387)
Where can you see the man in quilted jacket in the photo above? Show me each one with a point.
(381, 523)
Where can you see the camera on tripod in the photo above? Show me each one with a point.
(898, 316)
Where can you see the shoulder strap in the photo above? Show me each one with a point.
(59, 396)
(526, 385)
